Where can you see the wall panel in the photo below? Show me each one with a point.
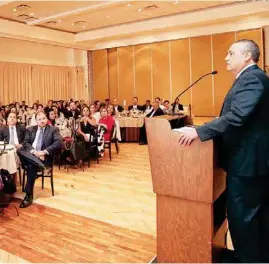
(113, 73)
(161, 70)
(142, 60)
(201, 63)
(224, 79)
(126, 74)
(100, 75)
(180, 69)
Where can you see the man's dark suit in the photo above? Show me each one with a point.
(120, 108)
(146, 107)
(139, 107)
(143, 135)
(70, 113)
(242, 133)
(4, 133)
(52, 142)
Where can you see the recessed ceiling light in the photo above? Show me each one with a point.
(31, 14)
(129, 5)
(84, 26)
(59, 21)
(176, 2)
(72, 24)
(107, 17)
(14, 9)
(139, 9)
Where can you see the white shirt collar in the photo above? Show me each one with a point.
(244, 70)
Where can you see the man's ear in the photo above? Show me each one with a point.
(248, 56)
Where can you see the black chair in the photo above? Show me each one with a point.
(113, 138)
(41, 173)
(93, 147)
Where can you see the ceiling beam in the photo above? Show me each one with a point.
(75, 12)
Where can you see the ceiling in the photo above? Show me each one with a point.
(105, 24)
(80, 16)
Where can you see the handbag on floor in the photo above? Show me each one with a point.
(8, 182)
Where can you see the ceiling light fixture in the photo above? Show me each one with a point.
(31, 14)
(139, 9)
(129, 5)
(107, 17)
(176, 2)
(59, 21)
(14, 9)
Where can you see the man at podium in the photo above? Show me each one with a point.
(242, 135)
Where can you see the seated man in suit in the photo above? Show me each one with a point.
(135, 105)
(40, 144)
(12, 132)
(147, 107)
(117, 107)
(156, 111)
(73, 111)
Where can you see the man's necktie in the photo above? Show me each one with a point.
(39, 140)
(12, 136)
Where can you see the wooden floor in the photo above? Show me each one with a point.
(105, 214)
(43, 234)
(115, 196)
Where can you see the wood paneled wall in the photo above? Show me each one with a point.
(165, 69)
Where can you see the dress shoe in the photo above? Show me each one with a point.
(143, 143)
(27, 201)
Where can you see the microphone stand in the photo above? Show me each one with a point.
(174, 105)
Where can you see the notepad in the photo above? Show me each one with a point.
(182, 129)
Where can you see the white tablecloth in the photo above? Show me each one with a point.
(9, 161)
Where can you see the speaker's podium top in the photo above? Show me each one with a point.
(188, 172)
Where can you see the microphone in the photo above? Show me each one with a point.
(174, 105)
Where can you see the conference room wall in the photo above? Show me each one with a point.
(166, 68)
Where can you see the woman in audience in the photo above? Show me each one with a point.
(95, 114)
(86, 132)
(111, 112)
(108, 121)
(51, 118)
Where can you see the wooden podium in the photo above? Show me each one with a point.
(191, 218)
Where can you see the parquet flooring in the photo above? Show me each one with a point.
(44, 234)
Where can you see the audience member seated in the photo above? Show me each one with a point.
(156, 111)
(167, 107)
(51, 118)
(94, 114)
(72, 111)
(108, 122)
(147, 107)
(107, 101)
(111, 112)
(12, 133)
(135, 105)
(41, 143)
(117, 108)
(177, 107)
(86, 130)
(48, 107)
(158, 100)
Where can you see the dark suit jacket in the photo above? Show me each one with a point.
(130, 107)
(242, 130)
(120, 108)
(52, 141)
(158, 112)
(144, 107)
(69, 114)
(4, 133)
(180, 106)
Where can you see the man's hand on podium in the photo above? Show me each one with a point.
(187, 137)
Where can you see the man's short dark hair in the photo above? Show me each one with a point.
(166, 101)
(158, 98)
(252, 47)
(147, 101)
(135, 97)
